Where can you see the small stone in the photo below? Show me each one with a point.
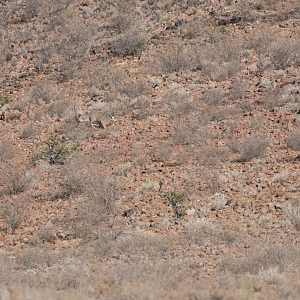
(61, 235)
(25, 240)
(190, 212)
(152, 224)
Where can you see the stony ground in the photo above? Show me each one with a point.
(193, 188)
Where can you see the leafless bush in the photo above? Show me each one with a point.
(253, 147)
(34, 8)
(261, 258)
(143, 104)
(139, 156)
(13, 180)
(183, 135)
(103, 78)
(43, 92)
(261, 41)
(293, 141)
(58, 108)
(36, 259)
(76, 177)
(180, 105)
(212, 180)
(162, 152)
(131, 42)
(202, 232)
(14, 211)
(101, 194)
(245, 106)
(122, 22)
(30, 130)
(7, 151)
(210, 156)
(175, 60)
(238, 90)
(278, 97)
(46, 234)
(193, 29)
(212, 97)
(284, 52)
(293, 213)
(133, 89)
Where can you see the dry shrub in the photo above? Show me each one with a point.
(180, 105)
(98, 204)
(193, 29)
(122, 22)
(202, 232)
(139, 156)
(7, 151)
(284, 52)
(103, 78)
(238, 90)
(253, 147)
(43, 92)
(6, 267)
(131, 42)
(14, 179)
(177, 59)
(183, 135)
(224, 71)
(219, 60)
(293, 140)
(14, 210)
(162, 152)
(260, 42)
(30, 130)
(59, 108)
(278, 97)
(76, 131)
(144, 107)
(285, 259)
(133, 89)
(36, 259)
(76, 177)
(245, 107)
(212, 97)
(293, 213)
(114, 240)
(210, 156)
(212, 180)
(47, 234)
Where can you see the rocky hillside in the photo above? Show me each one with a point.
(191, 191)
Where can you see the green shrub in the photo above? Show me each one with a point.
(57, 151)
(4, 101)
(176, 200)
